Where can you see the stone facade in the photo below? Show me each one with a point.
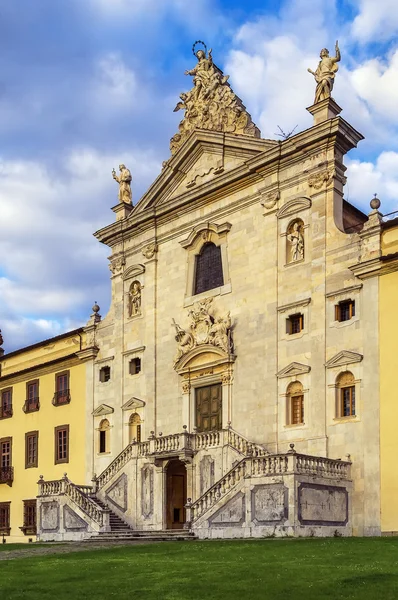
(295, 385)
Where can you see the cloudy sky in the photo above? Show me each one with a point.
(87, 84)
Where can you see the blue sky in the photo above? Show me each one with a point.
(87, 84)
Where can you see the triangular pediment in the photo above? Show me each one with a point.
(206, 158)
(133, 404)
(345, 357)
(293, 370)
(102, 409)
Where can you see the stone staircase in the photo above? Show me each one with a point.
(122, 532)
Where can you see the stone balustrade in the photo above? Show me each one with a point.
(271, 465)
(75, 493)
(242, 445)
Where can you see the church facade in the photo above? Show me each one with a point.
(236, 386)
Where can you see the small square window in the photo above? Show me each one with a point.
(105, 374)
(295, 324)
(134, 366)
(344, 311)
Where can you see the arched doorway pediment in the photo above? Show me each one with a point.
(201, 357)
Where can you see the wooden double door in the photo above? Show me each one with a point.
(208, 408)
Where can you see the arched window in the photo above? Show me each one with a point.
(345, 384)
(104, 430)
(135, 428)
(208, 268)
(295, 241)
(295, 404)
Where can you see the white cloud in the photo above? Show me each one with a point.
(52, 267)
(116, 83)
(366, 178)
(376, 20)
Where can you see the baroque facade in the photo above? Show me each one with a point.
(236, 389)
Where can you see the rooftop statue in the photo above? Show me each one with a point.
(325, 73)
(211, 104)
(124, 181)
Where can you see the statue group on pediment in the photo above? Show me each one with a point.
(211, 104)
(204, 329)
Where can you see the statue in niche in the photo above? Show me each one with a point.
(135, 299)
(295, 240)
(325, 73)
(124, 181)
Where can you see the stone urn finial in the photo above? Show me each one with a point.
(375, 203)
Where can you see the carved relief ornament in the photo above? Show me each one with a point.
(117, 264)
(150, 250)
(204, 329)
(269, 199)
(316, 180)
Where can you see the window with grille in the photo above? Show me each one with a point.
(29, 517)
(344, 311)
(31, 449)
(5, 518)
(134, 366)
(62, 391)
(62, 444)
(208, 269)
(6, 469)
(6, 404)
(105, 374)
(32, 396)
(294, 324)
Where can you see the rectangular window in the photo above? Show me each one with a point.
(6, 470)
(294, 324)
(105, 374)
(31, 449)
(297, 410)
(135, 366)
(6, 404)
(29, 517)
(348, 401)
(62, 444)
(32, 396)
(102, 441)
(5, 518)
(62, 391)
(344, 311)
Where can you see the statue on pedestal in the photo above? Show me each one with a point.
(124, 181)
(325, 73)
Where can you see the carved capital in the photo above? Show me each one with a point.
(316, 180)
(227, 378)
(117, 264)
(186, 386)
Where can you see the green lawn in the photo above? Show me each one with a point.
(311, 569)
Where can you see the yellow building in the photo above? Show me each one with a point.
(42, 425)
(388, 371)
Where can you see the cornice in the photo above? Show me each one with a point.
(36, 371)
(297, 304)
(348, 290)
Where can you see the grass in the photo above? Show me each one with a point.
(310, 569)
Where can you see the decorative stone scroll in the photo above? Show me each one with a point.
(211, 104)
(318, 179)
(203, 329)
(117, 264)
(150, 251)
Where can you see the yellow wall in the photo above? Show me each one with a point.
(44, 420)
(388, 391)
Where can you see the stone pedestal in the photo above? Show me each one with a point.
(122, 210)
(324, 110)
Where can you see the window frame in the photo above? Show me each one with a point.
(5, 528)
(292, 398)
(34, 463)
(352, 406)
(9, 410)
(104, 436)
(101, 371)
(57, 430)
(289, 323)
(65, 393)
(137, 361)
(338, 310)
(29, 528)
(35, 405)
